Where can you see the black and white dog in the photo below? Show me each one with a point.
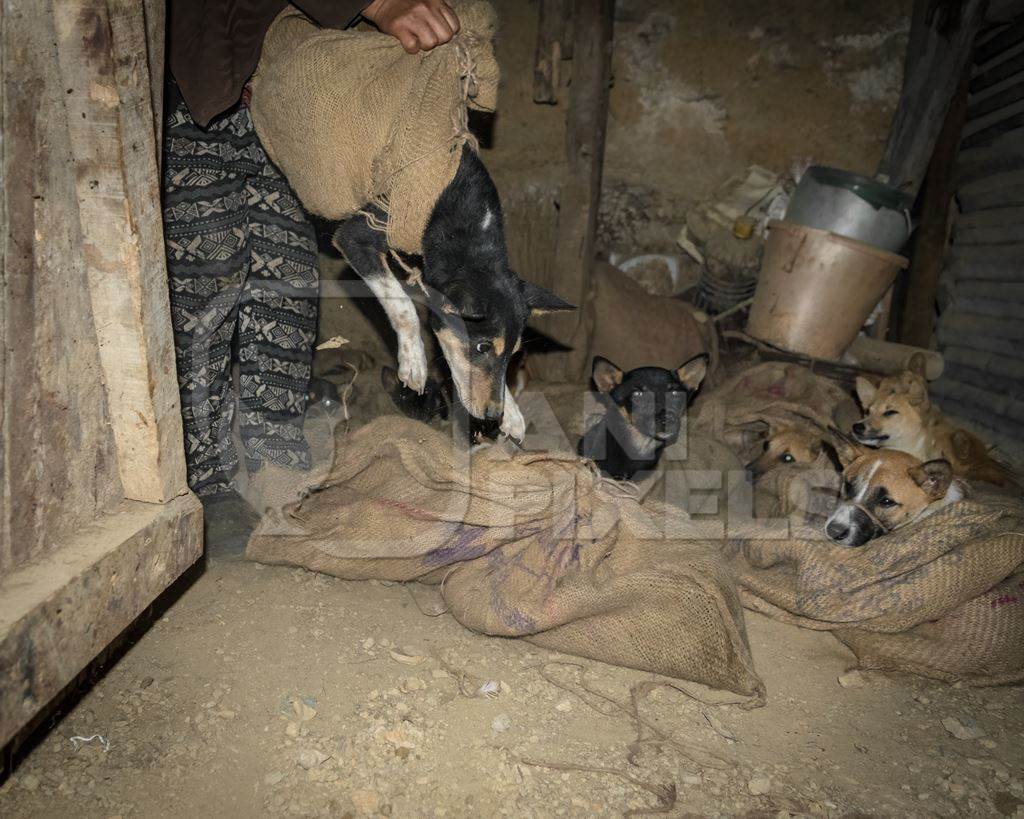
(478, 305)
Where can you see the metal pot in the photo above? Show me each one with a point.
(853, 206)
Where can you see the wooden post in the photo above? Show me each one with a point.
(103, 53)
(587, 119)
(918, 316)
(941, 40)
(547, 63)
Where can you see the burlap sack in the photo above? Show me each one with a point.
(635, 329)
(770, 392)
(351, 118)
(943, 597)
(529, 545)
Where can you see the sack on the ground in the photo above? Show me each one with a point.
(942, 597)
(351, 118)
(533, 545)
(770, 392)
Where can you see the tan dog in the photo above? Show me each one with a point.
(898, 415)
(885, 489)
(787, 445)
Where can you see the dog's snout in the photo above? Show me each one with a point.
(859, 428)
(837, 531)
(493, 412)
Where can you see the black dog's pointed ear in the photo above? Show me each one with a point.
(605, 374)
(540, 300)
(692, 373)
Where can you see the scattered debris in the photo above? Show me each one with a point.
(309, 758)
(759, 785)
(333, 343)
(77, 742)
(851, 679)
(963, 727)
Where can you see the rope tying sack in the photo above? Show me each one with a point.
(352, 119)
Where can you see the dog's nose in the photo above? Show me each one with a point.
(493, 412)
(859, 428)
(837, 531)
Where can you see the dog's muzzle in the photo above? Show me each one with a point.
(866, 436)
(854, 528)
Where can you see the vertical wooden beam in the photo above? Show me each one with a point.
(587, 120)
(547, 62)
(918, 314)
(942, 36)
(103, 53)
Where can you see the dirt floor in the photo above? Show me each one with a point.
(268, 691)
(272, 691)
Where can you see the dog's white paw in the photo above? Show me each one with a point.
(412, 367)
(512, 422)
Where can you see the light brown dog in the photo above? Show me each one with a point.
(899, 415)
(787, 445)
(885, 489)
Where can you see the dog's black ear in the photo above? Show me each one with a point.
(692, 373)
(605, 374)
(540, 300)
(833, 455)
(934, 477)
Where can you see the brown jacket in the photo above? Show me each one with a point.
(214, 45)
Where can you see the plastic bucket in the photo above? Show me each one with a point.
(817, 289)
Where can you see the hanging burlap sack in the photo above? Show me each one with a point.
(351, 118)
(529, 545)
(942, 597)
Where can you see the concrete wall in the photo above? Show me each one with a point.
(702, 90)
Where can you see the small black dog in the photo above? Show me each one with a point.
(478, 304)
(425, 406)
(644, 410)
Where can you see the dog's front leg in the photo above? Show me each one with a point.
(513, 424)
(366, 250)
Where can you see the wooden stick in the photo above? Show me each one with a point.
(547, 62)
(593, 21)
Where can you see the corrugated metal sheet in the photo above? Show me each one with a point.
(981, 329)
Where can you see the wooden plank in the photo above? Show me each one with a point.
(1001, 384)
(59, 460)
(948, 336)
(989, 236)
(1000, 366)
(992, 263)
(937, 56)
(994, 403)
(547, 61)
(103, 51)
(1000, 42)
(57, 614)
(922, 280)
(998, 191)
(996, 102)
(999, 71)
(155, 14)
(970, 323)
(1005, 291)
(1006, 153)
(998, 217)
(587, 121)
(1014, 119)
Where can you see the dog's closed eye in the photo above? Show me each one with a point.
(888, 413)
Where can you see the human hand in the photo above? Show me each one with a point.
(419, 25)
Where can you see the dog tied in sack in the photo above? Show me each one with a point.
(899, 415)
(643, 414)
(884, 490)
(376, 143)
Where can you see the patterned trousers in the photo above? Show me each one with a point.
(241, 257)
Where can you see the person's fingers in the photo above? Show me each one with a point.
(410, 42)
(440, 28)
(424, 34)
(451, 17)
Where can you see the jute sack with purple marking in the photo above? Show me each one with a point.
(531, 545)
(350, 118)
